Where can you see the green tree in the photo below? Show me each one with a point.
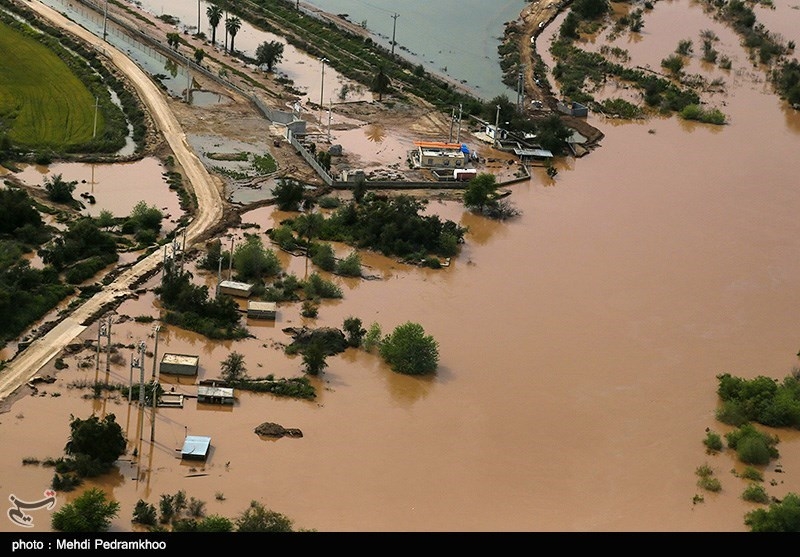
(215, 523)
(381, 83)
(101, 440)
(350, 266)
(105, 219)
(173, 40)
(354, 331)
(214, 15)
(783, 516)
(232, 26)
(591, 9)
(288, 195)
(253, 261)
(58, 190)
(90, 512)
(481, 191)
(751, 445)
(409, 350)
(233, 369)
(143, 217)
(199, 54)
(373, 338)
(314, 356)
(269, 54)
(323, 256)
(144, 513)
(257, 518)
(552, 134)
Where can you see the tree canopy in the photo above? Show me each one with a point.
(269, 54)
(102, 440)
(90, 512)
(409, 350)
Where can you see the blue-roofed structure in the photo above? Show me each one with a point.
(196, 447)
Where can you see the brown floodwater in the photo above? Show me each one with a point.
(579, 348)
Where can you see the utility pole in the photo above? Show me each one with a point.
(394, 28)
(322, 88)
(458, 133)
(496, 123)
(452, 121)
(96, 103)
(105, 20)
(108, 344)
(198, 18)
(155, 387)
(230, 261)
(330, 110)
(155, 351)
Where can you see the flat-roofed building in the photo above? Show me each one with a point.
(435, 154)
(233, 288)
(179, 364)
(262, 310)
(212, 394)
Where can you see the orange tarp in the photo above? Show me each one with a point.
(437, 144)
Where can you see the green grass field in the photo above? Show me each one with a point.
(42, 103)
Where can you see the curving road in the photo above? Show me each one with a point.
(207, 188)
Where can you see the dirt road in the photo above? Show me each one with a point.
(207, 188)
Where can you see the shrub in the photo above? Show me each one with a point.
(750, 473)
(350, 266)
(372, 339)
(144, 513)
(755, 493)
(713, 441)
(710, 483)
(752, 446)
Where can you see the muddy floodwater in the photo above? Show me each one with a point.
(579, 346)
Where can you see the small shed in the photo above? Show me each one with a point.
(179, 364)
(262, 310)
(213, 394)
(534, 155)
(171, 400)
(233, 288)
(195, 447)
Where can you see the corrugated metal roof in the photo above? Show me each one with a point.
(223, 392)
(196, 446)
(532, 152)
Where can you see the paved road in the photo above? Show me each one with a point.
(208, 190)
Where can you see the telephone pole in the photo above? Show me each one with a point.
(394, 28)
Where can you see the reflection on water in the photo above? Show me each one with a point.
(117, 188)
(207, 98)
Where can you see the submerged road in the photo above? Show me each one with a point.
(207, 188)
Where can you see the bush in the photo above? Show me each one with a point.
(350, 266)
(755, 493)
(409, 350)
(144, 513)
(780, 517)
(713, 441)
(750, 473)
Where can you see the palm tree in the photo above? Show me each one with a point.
(214, 14)
(232, 25)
